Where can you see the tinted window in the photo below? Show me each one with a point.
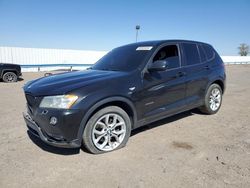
(125, 58)
(170, 54)
(202, 53)
(209, 51)
(191, 54)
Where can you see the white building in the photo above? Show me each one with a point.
(31, 58)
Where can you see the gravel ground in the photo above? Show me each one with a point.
(186, 150)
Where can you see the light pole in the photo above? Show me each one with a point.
(137, 27)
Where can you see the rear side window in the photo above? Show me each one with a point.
(209, 52)
(191, 54)
(202, 54)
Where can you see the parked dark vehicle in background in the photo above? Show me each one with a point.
(131, 86)
(10, 72)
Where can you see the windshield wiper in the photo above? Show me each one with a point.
(109, 69)
(89, 68)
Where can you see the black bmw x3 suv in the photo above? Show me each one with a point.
(129, 87)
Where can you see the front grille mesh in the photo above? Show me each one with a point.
(32, 102)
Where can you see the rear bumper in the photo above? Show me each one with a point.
(37, 131)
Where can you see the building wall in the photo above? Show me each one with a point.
(236, 59)
(34, 56)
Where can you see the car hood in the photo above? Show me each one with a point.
(59, 84)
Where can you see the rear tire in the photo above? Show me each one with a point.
(107, 130)
(9, 77)
(213, 100)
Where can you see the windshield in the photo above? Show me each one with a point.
(126, 58)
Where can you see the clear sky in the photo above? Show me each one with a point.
(105, 24)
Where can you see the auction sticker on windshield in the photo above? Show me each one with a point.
(144, 48)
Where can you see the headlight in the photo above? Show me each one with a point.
(59, 101)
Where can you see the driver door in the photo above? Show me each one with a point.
(163, 92)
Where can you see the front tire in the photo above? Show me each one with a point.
(213, 100)
(107, 130)
(9, 77)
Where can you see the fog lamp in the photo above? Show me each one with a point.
(53, 120)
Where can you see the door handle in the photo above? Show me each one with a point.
(180, 74)
(207, 67)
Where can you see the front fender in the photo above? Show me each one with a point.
(100, 103)
(8, 70)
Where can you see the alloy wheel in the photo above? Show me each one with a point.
(108, 132)
(9, 77)
(215, 99)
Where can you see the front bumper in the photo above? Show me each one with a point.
(36, 130)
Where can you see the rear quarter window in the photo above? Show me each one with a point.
(191, 53)
(210, 54)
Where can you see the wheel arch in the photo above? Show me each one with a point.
(216, 80)
(121, 102)
(8, 70)
(220, 83)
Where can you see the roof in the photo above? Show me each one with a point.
(159, 42)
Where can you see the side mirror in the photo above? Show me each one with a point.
(159, 65)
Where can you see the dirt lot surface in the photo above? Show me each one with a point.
(187, 150)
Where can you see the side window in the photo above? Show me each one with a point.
(191, 54)
(202, 54)
(170, 54)
(209, 52)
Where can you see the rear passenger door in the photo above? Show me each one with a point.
(198, 70)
